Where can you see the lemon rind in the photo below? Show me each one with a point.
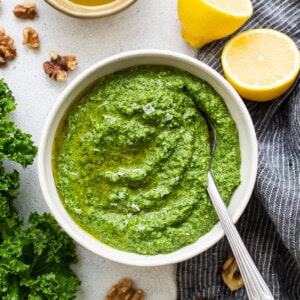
(248, 13)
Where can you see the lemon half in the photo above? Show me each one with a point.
(203, 21)
(261, 64)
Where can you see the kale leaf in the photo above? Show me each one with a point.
(34, 260)
(9, 218)
(7, 101)
(14, 144)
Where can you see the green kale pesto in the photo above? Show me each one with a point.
(131, 159)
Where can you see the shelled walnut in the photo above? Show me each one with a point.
(124, 291)
(27, 10)
(31, 38)
(7, 48)
(231, 275)
(58, 66)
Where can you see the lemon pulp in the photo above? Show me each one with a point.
(261, 63)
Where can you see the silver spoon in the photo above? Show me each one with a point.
(255, 285)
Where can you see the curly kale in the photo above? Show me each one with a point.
(9, 182)
(14, 144)
(35, 260)
(9, 218)
(7, 101)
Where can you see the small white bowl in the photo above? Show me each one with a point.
(236, 107)
(83, 11)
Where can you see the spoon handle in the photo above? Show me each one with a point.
(255, 285)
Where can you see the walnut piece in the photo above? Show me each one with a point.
(124, 291)
(27, 10)
(7, 48)
(58, 66)
(31, 38)
(231, 275)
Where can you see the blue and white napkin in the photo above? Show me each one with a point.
(270, 225)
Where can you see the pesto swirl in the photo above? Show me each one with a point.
(131, 159)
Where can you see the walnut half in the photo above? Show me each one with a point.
(7, 48)
(31, 38)
(124, 291)
(231, 275)
(27, 10)
(58, 66)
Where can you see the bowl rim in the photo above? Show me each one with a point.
(85, 239)
(73, 9)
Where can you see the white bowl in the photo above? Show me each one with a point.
(82, 11)
(236, 107)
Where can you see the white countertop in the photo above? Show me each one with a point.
(146, 24)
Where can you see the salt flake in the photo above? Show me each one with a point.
(148, 109)
(169, 117)
(135, 206)
(121, 195)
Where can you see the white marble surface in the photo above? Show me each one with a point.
(146, 24)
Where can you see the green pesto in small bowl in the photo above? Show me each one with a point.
(130, 159)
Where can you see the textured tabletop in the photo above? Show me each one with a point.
(146, 24)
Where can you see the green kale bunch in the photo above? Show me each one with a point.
(34, 260)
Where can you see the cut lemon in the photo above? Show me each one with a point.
(261, 64)
(203, 21)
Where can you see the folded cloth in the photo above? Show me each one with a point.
(270, 225)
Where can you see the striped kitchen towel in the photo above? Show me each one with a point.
(270, 225)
